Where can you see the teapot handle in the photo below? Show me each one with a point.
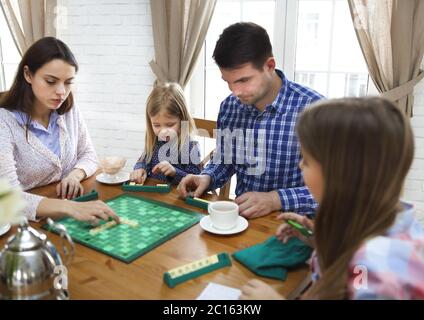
(68, 247)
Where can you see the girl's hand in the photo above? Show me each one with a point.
(91, 211)
(138, 176)
(258, 290)
(166, 168)
(286, 231)
(70, 187)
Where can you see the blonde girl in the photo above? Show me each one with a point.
(170, 153)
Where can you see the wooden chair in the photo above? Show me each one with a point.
(205, 129)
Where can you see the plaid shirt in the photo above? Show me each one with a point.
(390, 266)
(276, 146)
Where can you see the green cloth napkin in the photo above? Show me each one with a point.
(272, 258)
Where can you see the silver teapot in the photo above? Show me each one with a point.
(31, 268)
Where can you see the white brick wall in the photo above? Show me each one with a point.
(113, 43)
(414, 187)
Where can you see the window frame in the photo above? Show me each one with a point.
(285, 50)
(2, 70)
(9, 54)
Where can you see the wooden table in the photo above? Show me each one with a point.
(93, 275)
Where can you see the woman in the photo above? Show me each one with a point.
(43, 138)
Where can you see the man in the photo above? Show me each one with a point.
(264, 105)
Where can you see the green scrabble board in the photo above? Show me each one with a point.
(157, 223)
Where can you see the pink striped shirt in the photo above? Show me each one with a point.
(389, 266)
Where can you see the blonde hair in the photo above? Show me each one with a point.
(365, 148)
(168, 97)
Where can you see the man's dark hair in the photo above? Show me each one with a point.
(240, 43)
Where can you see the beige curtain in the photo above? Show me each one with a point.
(391, 36)
(179, 30)
(29, 20)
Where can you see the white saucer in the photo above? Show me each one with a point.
(206, 224)
(118, 178)
(4, 229)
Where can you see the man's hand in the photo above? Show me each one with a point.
(258, 204)
(195, 184)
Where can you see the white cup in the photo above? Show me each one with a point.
(223, 214)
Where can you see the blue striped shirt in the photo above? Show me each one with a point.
(275, 152)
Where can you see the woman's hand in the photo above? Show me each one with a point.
(286, 231)
(258, 290)
(166, 168)
(91, 211)
(138, 176)
(70, 187)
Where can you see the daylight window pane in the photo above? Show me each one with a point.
(337, 85)
(10, 53)
(313, 35)
(262, 13)
(348, 85)
(346, 54)
(315, 80)
(225, 14)
(327, 45)
(216, 91)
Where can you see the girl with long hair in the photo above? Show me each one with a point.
(170, 153)
(368, 245)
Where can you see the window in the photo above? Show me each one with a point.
(315, 45)
(207, 88)
(328, 56)
(9, 55)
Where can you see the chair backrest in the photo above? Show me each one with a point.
(205, 129)
(206, 126)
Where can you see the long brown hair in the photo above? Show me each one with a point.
(365, 148)
(168, 97)
(20, 96)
